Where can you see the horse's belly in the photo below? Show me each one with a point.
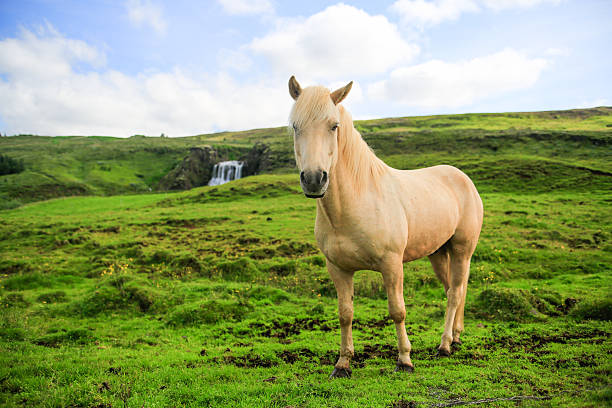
(348, 254)
(417, 251)
(425, 238)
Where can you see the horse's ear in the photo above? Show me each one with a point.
(294, 88)
(339, 94)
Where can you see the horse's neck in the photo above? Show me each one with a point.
(332, 207)
(356, 171)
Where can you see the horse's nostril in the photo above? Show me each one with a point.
(302, 177)
(324, 178)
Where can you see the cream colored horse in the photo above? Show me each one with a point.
(371, 216)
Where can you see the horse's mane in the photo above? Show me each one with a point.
(361, 163)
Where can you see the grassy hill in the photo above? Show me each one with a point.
(218, 296)
(570, 149)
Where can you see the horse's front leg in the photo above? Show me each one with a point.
(343, 281)
(393, 277)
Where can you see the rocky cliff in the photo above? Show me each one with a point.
(196, 169)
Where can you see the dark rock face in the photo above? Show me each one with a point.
(195, 170)
(257, 160)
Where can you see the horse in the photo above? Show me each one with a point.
(371, 216)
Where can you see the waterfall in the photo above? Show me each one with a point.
(226, 171)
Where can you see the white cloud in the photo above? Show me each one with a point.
(422, 13)
(144, 12)
(246, 6)
(234, 59)
(46, 57)
(47, 94)
(339, 42)
(508, 4)
(558, 52)
(437, 84)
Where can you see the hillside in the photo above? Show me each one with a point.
(501, 152)
(219, 296)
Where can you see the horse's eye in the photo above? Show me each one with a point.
(334, 127)
(294, 127)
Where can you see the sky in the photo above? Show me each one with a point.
(185, 67)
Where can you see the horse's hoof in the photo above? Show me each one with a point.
(404, 367)
(341, 373)
(456, 343)
(443, 353)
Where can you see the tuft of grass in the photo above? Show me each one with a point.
(56, 296)
(595, 309)
(241, 269)
(123, 293)
(510, 304)
(14, 300)
(72, 336)
(24, 281)
(209, 312)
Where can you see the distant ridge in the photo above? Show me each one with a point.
(530, 151)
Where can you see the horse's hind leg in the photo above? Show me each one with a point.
(440, 261)
(458, 323)
(459, 273)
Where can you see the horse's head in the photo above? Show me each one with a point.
(315, 119)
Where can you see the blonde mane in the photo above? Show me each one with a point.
(361, 162)
(315, 104)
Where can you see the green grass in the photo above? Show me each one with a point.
(198, 299)
(218, 296)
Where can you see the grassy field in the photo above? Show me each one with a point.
(219, 296)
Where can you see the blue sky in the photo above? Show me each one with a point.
(187, 67)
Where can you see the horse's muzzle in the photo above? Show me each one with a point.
(314, 183)
(314, 196)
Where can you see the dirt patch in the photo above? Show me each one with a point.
(112, 229)
(371, 351)
(14, 300)
(10, 267)
(285, 329)
(246, 240)
(250, 361)
(184, 223)
(585, 360)
(291, 356)
(372, 323)
(403, 404)
(263, 253)
(296, 249)
(531, 342)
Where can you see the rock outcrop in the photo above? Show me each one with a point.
(195, 170)
(257, 160)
